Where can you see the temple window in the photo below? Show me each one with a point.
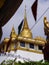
(22, 44)
(40, 47)
(31, 46)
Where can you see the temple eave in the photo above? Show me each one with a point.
(28, 40)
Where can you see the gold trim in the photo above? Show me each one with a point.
(33, 41)
(30, 50)
(25, 49)
(11, 50)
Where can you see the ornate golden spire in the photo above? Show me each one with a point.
(25, 20)
(13, 34)
(26, 31)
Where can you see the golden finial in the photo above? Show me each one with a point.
(13, 29)
(46, 23)
(45, 20)
(25, 11)
(25, 20)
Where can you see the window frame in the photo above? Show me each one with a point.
(39, 47)
(32, 46)
(21, 44)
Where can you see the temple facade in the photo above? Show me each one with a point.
(24, 44)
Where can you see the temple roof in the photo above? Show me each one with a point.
(32, 41)
(40, 39)
(26, 32)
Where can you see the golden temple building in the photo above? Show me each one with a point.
(24, 41)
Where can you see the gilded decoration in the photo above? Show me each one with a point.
(26, 32)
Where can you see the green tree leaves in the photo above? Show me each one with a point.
(12, 62)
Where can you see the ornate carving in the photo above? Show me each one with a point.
(46, 48)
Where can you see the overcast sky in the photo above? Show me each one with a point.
(38, 29)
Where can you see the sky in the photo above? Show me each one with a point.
(38, 29)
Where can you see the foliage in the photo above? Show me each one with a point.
(10, 62)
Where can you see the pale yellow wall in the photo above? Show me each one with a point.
(12, 46)
(27, 45)
(18, 44)
(36, 47)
